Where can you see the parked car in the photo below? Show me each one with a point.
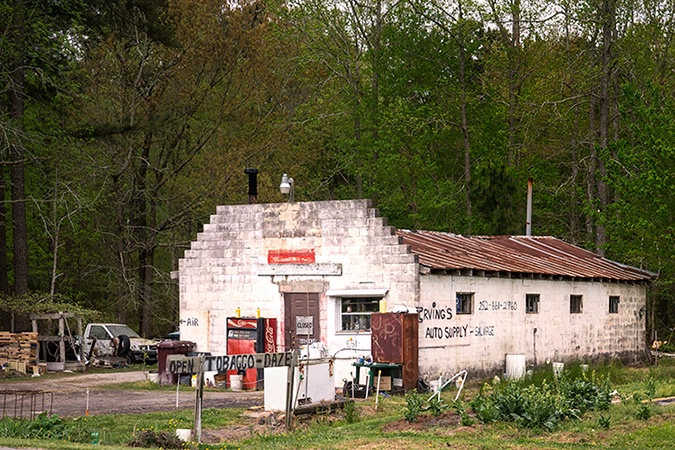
(116, 339)
(173, 336)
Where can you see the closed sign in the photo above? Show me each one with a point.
(304, 325)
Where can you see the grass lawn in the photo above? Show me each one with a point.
(630, 422)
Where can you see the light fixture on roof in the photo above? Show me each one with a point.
(286, 187)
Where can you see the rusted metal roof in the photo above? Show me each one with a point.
(515, 256)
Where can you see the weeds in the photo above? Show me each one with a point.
(465, 419)
(540, 404)
(414, 406)
(436, 406)
(351, 413)
(46, 427)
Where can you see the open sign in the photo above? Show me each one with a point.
(304, 325)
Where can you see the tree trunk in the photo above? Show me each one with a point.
(16, 154)
(4, 277)
(465, 122)
(607, 14)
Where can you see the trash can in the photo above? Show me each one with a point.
(166, 348)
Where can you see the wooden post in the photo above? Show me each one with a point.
(289, 391)
(62, 343)
(198, 401)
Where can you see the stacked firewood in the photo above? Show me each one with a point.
(21, 347)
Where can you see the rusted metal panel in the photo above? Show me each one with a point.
(519, 255)
(394, 340)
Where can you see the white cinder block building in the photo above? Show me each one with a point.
(321, 269)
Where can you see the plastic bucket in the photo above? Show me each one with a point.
(236, 382)
(515, 366)
(557, 368)
(184, 434)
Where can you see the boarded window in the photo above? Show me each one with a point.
(576, 304)
(532, 303)
(464, 303)
(613, 304)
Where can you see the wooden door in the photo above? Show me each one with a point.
(301, 317)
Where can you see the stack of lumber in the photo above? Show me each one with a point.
(18, 347)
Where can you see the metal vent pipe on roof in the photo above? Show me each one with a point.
(252, 173)
(528, 225)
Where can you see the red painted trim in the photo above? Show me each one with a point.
(291, 256)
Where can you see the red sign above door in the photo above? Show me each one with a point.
(291, 256)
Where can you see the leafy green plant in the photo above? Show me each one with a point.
(351, 413)
(603, 422)
(485, 409)
(509, 401)
(644, 412)
(584, 393)
(650, 388)
(436, 406)
(414, 406)
(465, 419)
(45, 427)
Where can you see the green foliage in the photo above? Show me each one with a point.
(436, 406)
(46, 427)
(644, 406)
(414, 405)
(465, 419)
(541, 404)
(351, 413)
(41, 303)
(644, 412)
(584, 393)
(603, 422)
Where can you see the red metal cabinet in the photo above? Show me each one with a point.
(247, 336)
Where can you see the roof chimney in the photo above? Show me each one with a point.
(252, 173)
(528, 226)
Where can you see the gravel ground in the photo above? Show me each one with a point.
(66, 395)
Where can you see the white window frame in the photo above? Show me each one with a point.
(349, 294)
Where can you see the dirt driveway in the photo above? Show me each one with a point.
(66, 395)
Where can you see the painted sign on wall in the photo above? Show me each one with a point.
(303, 256)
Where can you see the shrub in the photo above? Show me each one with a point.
(485, 409)
(586, 394)
(436, 406)
(351, 413)
(542, 405)
(414, 406)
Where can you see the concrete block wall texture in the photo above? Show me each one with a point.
(499, 324)
(222, 270)
(227, 268)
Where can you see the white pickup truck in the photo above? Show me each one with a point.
(118, 340)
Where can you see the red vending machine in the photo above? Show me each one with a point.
(246, 336)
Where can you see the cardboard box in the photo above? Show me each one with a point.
(385, 383)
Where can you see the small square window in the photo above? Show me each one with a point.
(532, 303)
(613, 304)
(464, 303)
(576, 304)
(355, 313)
